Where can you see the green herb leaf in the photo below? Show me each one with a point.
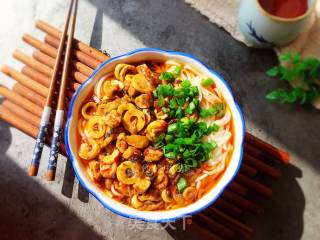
(273, 72)
(296, 58)
(295, 95)
(285, 56)
(305, 73)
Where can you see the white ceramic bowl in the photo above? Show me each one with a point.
(153, 216)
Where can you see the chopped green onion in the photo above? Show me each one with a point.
(160, 101)
(213, 128)
(207, 82)
(172, 127)
(170, 155)
(185, 84)
(194, 91)
(181, 184)
(173, 104)
(177, 71)
(181, 101)
(167, 76)
(179, 113)
(192, 106)
(165, 110)
(169, 138)
(164, 91)
(217, 109)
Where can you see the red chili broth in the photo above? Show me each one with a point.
(285, 8)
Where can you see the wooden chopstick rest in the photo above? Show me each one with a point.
(21, 101)
(16, 109)
(20, 122)
(43, 68)
(24, 80)
(262, 167)
(270, 149)
(36, 76)
(242, 202)
(227, 207)
(51, 51)
(220, 229)
(245, 230)
(31, 62)
(29, 94)
(94, 53)
(44, 58)
(23, 125)
(47, 54)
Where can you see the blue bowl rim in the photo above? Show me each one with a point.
(170, 52)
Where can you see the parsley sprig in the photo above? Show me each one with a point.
(304, 72)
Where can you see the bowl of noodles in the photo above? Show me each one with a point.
(155, 135)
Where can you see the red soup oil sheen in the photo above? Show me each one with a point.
(285, 8)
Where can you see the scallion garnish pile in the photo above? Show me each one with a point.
(183, 139)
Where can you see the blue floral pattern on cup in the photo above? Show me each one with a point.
(253, 33)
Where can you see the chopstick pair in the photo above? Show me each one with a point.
(44, 124)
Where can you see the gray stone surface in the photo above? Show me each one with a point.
(31, 208)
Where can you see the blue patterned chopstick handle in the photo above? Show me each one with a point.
(35, 162)
(54, 150)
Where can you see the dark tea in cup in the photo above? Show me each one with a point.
(285, 8)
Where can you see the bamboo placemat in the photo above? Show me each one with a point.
(23, 105)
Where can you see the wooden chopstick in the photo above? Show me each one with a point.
(33, 170)
(58, 124)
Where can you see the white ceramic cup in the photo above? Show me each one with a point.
(263, 29)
